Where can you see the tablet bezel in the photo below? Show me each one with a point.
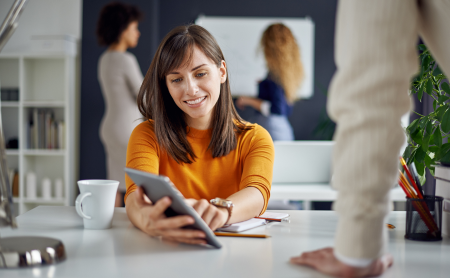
(157, 187)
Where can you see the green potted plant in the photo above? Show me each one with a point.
(427, 134)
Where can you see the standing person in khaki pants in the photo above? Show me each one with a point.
(376, 58)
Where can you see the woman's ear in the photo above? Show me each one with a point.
(223, 72)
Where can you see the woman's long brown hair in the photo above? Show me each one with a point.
(155, 102)
(283, 58)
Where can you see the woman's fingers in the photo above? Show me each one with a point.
(184, 240)
(219, 220)
(210, 214)
(183, 234)
(160, 207)
(174, 222)
(201, 206)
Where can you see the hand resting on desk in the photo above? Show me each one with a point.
(150, 218)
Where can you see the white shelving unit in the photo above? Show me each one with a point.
(44, 81)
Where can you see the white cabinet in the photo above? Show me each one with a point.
(43, 119)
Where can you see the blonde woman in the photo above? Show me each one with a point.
(277, 93)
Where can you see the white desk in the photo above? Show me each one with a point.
(124, 251)
(317, 192)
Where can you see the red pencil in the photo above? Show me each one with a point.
(403, 162)
(270, 219)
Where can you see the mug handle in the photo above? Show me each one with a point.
(78, 202)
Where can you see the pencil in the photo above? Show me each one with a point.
(390, 226)
(241, 235)
(270, 219)
(423, 212)
(403, 162)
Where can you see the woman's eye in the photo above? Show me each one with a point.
(201, 74)
(176, 80)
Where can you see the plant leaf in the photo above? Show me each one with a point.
(420, 167)
(429, 128)
(417, 136)
(407, 153)
(411, 157)
(429, 87)
(425, 142)
(422, 47)
(427, 161)
(446, 88)
(440, 112)
(413, 126)
(434, 149)
(422, 178)
(420, 92)
(420, 155)
(437, 71)
(434, 105)
(437, 137)
(426, 62)
(443, 98)
(445, 124)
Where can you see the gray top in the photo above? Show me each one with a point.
(120, 79)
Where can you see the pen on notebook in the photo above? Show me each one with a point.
(241, 235)
(274, 219)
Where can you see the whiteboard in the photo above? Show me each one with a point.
(239, 38)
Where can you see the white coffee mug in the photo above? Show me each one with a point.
(95, 204)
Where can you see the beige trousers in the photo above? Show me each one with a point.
(376, 57)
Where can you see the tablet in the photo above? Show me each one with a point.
(157, 187)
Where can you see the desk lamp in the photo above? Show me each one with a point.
(22, 251)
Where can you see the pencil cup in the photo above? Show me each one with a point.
(424, 218)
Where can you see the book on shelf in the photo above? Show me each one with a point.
(44, 131)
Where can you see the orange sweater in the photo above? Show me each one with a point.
(250, 164)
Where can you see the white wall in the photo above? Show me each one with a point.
(43, 17)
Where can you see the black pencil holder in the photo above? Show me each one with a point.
(424, 218)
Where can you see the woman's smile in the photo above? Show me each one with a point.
(196, 102)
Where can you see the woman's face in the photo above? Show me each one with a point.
(131, 35)
(195, 88)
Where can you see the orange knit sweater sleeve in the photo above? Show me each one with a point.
(258, 163)
(142, 153)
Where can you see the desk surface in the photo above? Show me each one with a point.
(124, 251)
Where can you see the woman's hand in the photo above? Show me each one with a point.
(243, 101)
(213, 216)
(151, 220)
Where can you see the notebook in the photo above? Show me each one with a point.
(243, 226)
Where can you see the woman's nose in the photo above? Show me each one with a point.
(192, 88)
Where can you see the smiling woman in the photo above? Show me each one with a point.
(193, 135)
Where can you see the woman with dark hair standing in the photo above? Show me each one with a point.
(120, 79)
(278, 91)
(193, 135)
